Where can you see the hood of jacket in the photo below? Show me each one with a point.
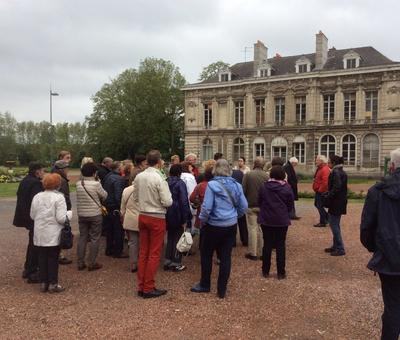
(173, 181)
(390, 185)
(229, 183)
(276, 186)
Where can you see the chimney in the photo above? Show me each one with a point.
(260, 55)
(321, 50)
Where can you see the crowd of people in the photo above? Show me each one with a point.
(146, 203)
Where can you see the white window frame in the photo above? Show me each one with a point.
(369, 103)
(241, 148)
(239, 114)
(209, 145)
(379, 150)
(261, 107)
(350, 98)
(348, 149)
(259, 141)
(301, 103)
(329, 115)
(207, 115)
(279, 142)
(328, 143)
(280, 111)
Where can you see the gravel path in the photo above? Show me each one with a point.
(323, 298)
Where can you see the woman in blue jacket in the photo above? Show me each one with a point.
(177, 217)
(223, 203)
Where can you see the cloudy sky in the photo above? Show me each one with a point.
(77, 46)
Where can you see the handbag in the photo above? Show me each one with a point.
(185, 242)
(196, 203)
(103, 209)
(66, 237)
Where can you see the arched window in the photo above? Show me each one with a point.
(259, 147)
(327, 145)
(370, 151)
(299, 149)
(349, 150)
(279, 148)
(238, 148)
(207, 149)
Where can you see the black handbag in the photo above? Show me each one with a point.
(66, 238)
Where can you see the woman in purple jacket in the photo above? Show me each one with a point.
(276, 200)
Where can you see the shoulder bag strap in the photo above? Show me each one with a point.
(228, 193)
(83, 185)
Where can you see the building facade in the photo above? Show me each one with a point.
(345, 102)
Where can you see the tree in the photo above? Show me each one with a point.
(137, 111)
(212, 70)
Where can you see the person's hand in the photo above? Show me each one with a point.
(69, 214)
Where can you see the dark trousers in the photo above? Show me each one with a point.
(323, 214)
(219, 239)
(274, 237)
(172, 255)
(244, 235)
(48, 264)
(391, 300)
(114, 233)
(32, 257)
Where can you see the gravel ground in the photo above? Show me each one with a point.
(323, 297)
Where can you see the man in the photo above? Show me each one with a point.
(218, 155)
(27, 189)
(380, 234)
(292, 180)
(114, 184)
(192, 159)
(242, 165)
(242, 223)
(320, 186)
(252, 182)
(61, 167)
(151, 193)
(140, 165)
(104, 168)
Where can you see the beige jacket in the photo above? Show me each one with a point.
(151, 193)
(85, 205)
(129, 210)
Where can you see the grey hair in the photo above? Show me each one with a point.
(323, 159)
(395, 158)
(222, 168)
(293, 160)
(190, 155)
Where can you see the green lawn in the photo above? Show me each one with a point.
(8, 189)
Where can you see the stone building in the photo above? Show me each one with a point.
(343, 101)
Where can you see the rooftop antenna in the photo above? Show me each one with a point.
(245, 50)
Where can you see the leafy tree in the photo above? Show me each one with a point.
(137, 111)
(212, 70)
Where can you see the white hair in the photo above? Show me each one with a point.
(190, 155)
(293, 160)
(395, 158)
(323, 159)
(222, 168)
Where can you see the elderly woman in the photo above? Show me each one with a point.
(224, 202)
(49, 213)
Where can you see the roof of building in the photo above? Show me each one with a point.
(286, 65)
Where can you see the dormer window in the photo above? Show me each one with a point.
(264, 70)
(225, 75)
(303, 65)
(351, 60)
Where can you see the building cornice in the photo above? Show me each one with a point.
(280, 78)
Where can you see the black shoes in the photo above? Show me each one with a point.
(154, 293)
(82, 267)
(251, 257)
(221, 295)
(33, 278)
(265, 274)
(95, 266)
(44, 287)
(329, 250)
(120, 256)
(319, 225)
(64, 260)
(338, 253)
(197, 288)
(281, 276)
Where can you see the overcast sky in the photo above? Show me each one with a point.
(77, 46)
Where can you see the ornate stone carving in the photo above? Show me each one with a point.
(393, 94)
(191, 103)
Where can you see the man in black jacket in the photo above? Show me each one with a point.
(104, 168)
(27, 189)
(292, 181)
(114, 184)
(380, 234)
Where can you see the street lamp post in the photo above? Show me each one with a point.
(51, 104)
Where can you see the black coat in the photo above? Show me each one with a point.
(114, 184)
(179, 212)
(380, 225)
(64, 189)
(102, 172)
(336, 197)
(237, 175)
(292, 179)
(27, 189)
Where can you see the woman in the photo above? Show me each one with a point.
(89, 195)
(190, 181)
(49, 213)
(130, 222)
(177, 218)
(336, 202)
(276, 201)
(224, 202)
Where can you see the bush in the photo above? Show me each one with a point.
(350, 195)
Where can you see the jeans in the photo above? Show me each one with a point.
(243, 232)
(89, 230)
(172, 256)
(48, 264)
(151, 238)
(323, 215)
(133, 248)
(255, 233)
(221, 240)
(391, 300)
(32, 257)
(114, 233)
(334, 222)
(274, 237)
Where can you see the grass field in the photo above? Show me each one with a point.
(10, 189)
